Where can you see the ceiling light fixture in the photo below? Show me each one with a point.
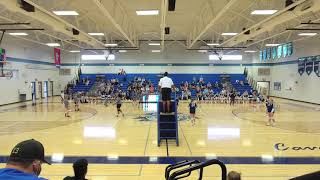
(154, 51)
(74, 51)
(272, 45)
(18, 34)
(111, 45)
(307, 34)
(213, 44)
(66, 13)
(96, 34)
(154, 44)
(122, 51)
(229, 34)
(53, 44)
(263, 12)
(250, 51)
(147, 12)
(202, 51)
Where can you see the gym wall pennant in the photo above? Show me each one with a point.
(316, 62)
(309, 65)
(301, 65)
(57, 57)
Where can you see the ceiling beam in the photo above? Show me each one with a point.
(130, 35)
(164, 7)
(48, 20)
(278, 34)
(13, 24)
(83, 36)
(210, 24)
(44, 33)
(267, 24)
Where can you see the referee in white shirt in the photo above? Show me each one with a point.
(165, 84)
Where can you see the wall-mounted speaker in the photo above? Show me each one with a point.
(26, 6)
(167, 30)
(172, 5)
(75, 32)
(288, 3)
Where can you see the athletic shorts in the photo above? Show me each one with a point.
(166, 94)
(118, 106)
(270, 111)
(192, 111)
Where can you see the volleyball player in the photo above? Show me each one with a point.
(66, 106)
(192, 110)
(119, 103)
(62, 97)
(232, 98)
(270, 111)
(76, 99)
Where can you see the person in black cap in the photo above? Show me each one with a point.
(80, 168)
(24, 162)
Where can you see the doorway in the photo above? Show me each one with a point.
(51, 88)
(45, 89)
(33, 93)
(263, 87)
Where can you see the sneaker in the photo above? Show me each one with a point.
(273, 124)
(268, 124)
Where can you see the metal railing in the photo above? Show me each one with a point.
(193, 166)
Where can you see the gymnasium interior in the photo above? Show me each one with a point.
(97, 54)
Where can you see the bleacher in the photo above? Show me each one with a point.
(124, 80)
(240, 88)
(80, 87)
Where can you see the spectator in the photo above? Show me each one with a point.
(25, 161)
(151, 89)
(201, 79)
(233, 175)
(80, 168)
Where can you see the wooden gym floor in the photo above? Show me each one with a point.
(126, 147)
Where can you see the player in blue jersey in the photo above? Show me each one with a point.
(192, 109)
(270, 111)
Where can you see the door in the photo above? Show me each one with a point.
(51, 88)
(33, 93)
(45, 89)
(263, 87)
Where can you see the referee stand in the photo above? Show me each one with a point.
(168, 122)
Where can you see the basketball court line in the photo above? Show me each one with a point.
(174, 159)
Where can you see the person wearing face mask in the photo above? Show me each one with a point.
(24, 162)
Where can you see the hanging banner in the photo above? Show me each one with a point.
(301, 65)
(57, 57)
(309, 65)
(316, 62)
